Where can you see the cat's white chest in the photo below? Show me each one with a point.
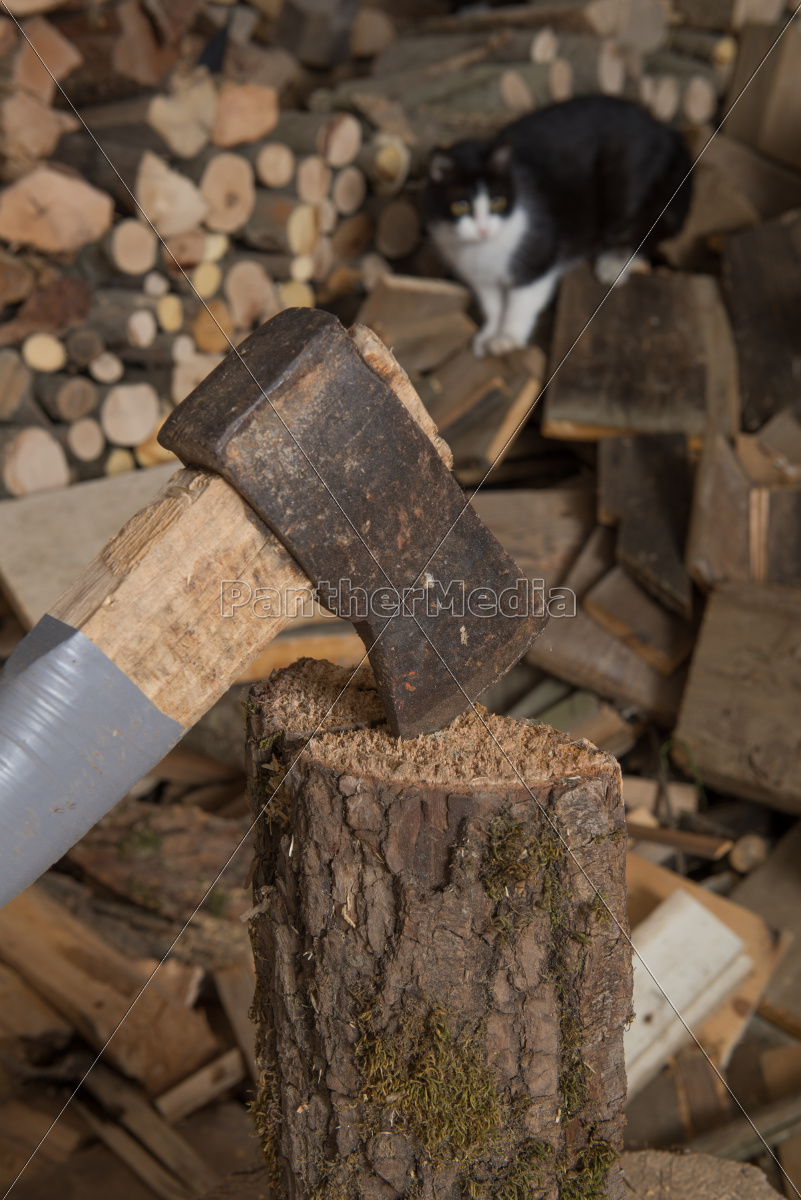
(489, 262)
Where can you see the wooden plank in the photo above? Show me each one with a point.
(718, 541)
(626, 610)
(769, 113)
(738, 722)
(761, 281)
(645, 484)
(578, 650)
(208, 1084)
(773, 891)
(781, 1070)
(543, 529)
(129, 1151)
(769, 187)
(700, 960)
(648, 884)
(24, 1014)
(48, 538)
(642, 363)
(131, 1109)
(157, 1041)
(235, 987)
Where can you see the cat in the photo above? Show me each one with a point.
(585, 179)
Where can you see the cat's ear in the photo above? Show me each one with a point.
(440, 167)
(501, 158)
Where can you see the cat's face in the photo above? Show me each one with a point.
(470, 190)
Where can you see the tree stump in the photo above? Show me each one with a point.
(443, 975)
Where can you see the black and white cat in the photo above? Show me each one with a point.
(587, 179)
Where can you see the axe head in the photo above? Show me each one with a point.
(328, 456)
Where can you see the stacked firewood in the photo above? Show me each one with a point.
(230, 162)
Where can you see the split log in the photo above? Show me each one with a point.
(246, 112)
(157, 1041)
(768, 186)
(42, 58)
(337, 138)
(717, 208)
(250, 294)
(66, 397)
(766, 116)
(645, 485)
(31, 460)
(168, 199)
(54, 211)
(185, 117)
(120, 145)
(682, 321)
(761, 282)
(29, 130)
(228, 187)
(15, 386)
(318, 34)
(662, 638)
(741, 729)
(435, 1049)
(579, 651)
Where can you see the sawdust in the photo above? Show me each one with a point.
(476, 747)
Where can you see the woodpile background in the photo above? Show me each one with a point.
(278, 149)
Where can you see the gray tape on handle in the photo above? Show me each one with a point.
(75, 735)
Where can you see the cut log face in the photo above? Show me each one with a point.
(229, 189)
(31, 460)
(456, 982)
(54, 211)
(245, 113)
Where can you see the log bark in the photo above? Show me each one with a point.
(441, 991)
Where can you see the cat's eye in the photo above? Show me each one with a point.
(497, 203)
(460, 208)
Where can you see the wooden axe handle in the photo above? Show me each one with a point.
(151, 599)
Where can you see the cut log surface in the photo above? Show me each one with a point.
(337, 138)
(663, 1176)
(738, 717)
(133, 247)
(31, 460)
(54, 211)
(129, 413)
(275, 165)
(246, 112)
(228, 187)
(456, 981)
(66, 397)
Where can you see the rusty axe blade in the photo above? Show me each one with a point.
(324, 451)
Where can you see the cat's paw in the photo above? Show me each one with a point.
(614, 267)
(502, 343)
(481, 342)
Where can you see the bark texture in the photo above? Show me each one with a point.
(443, 980)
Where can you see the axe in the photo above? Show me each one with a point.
(310, 464)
